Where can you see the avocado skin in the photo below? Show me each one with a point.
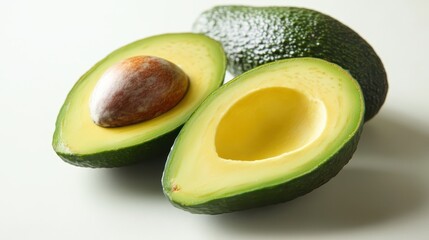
(282, 192)
(158, 147)
(252, 36)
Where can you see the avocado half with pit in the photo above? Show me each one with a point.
(80, 141)
(270, 135)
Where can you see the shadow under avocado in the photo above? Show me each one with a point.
(361, 195)
(392, 136)
(355, 198)
(139, 179)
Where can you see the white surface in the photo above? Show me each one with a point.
(46, 45)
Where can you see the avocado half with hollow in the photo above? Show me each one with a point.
(272, 134)
(79, 141)
(252, 36)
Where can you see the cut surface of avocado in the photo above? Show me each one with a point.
(272, 134)
(78, 140)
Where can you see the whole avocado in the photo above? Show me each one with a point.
(252, 36)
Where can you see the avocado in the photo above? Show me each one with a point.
(252, 36)
(272, 134)
(80, 141)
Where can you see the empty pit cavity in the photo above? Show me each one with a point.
(267, 123)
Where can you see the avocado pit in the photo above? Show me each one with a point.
(137, 89)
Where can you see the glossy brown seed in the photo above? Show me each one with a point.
(135, 90)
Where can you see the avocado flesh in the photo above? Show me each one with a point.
(81, 142)
(252, 36)
(272, 134)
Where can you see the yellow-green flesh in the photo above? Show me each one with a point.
(198, 56)
(262, 129)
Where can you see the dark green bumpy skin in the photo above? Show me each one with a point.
(252, 36)
(282, 192)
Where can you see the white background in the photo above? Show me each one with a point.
(45, 46)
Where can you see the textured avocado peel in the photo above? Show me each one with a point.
(252, 36)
